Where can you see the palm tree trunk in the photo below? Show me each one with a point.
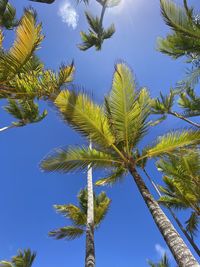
(193, 244)
(180, 251)
(7, 128)
(90, 249)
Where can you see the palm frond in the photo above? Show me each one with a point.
(85, 116)
(24, 258)
(68, 233)
(127, 109)
(28, 38)
(117, 175)
(75, 159)
(24, 111)
(172, 141)
(7, 15)
(192, 224)
(101, 207)
(73, 213)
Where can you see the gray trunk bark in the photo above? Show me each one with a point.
(178, 248)
(193, 244)
(90, 249)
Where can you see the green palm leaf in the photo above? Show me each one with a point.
(85, 117)
(117, 175)
(170, 142)
(78, 159)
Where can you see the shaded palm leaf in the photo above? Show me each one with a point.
(68, 232)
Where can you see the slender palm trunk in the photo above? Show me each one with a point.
(7, 128)
(90, 249)
(193, 244)
(180, 251)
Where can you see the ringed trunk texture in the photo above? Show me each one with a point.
(90, 249)
(193, 244)
(180, 251)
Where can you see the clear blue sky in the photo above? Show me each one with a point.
(128, 236)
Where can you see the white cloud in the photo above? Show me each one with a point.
(68, 14)
(160, 250)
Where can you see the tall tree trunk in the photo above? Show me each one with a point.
(180, 251)
(193, 244)
(90, 249)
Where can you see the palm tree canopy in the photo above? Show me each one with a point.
(78, 215)
(24, 258)
(115, 129)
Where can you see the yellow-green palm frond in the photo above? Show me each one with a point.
(85, 116)
(68, 233)
(72, 212)
(65, 74)
(127, 109)
(101, 207)
(172, 141)
(7, 15)
(74, 159)
(28, 38)
(117, 175)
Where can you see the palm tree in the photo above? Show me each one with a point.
(115, 130)
(24, 258)
(164, 262)
(181, 190)
(25, 112)
(7, 15)
(78, 215)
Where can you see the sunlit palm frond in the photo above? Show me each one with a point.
(28, 38)
(115, 176)
(75, 159)
(85, 116)
(127, 109)
(68, 233)
(164, 262)
(73, 213)
(6, 264)
(170, 142)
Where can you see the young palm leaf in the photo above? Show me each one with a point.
(115, 134)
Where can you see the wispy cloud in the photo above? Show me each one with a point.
(68, 14)
(160, 250)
